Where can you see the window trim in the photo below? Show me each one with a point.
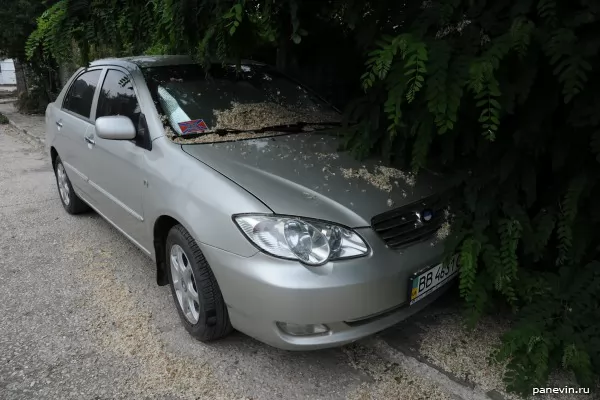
(91, 118)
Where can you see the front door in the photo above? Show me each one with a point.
(117, 176)
(73, 124)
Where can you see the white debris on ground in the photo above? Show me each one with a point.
(390, 380)
(122, 329)
(382, 178)
(464, 353)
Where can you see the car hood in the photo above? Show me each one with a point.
(304, 174)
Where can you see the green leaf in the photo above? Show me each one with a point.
(495, 103)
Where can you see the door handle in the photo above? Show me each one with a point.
(90, 140)
(59, 124)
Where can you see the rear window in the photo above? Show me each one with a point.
(225, 98)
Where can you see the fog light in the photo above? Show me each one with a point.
(302, 329)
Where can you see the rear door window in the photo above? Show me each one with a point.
(117, 97)
(79, 98)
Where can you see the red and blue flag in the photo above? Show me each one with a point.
(195, 126)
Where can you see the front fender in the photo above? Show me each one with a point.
(198, 197)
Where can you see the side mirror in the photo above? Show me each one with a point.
(117, 127)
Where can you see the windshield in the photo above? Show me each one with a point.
(229, 101)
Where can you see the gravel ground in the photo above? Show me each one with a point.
(82, 318)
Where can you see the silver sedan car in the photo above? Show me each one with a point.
(232, 180)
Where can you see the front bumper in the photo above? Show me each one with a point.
(354, 298)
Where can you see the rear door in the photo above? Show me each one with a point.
(73, 121)
(117, 174)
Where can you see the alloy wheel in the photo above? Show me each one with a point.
(63, 184)
(184, 284)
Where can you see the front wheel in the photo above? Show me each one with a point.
(194, 288)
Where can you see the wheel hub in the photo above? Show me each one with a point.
(63, 184)
(184, 284)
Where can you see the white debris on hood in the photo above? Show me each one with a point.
(259, 144)
(381, 178)
(390, 202)
(443, 232)
(328, 156)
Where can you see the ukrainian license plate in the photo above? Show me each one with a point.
(423, 283)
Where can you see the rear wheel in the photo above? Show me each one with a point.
(194, 288)
(70, 201)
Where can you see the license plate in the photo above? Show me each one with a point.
(423, 283)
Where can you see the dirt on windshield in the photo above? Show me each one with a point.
(251, 117)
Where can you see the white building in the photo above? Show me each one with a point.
(7, 72)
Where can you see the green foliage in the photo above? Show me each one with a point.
(511, 99)
(571, 67)
(403, 78)
(48, 35)
(201, 28)
(3, 119)
(17, 19)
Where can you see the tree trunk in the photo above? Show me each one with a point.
(20, 76)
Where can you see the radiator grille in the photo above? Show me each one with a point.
(413, 223)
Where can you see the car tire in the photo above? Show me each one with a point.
(70, 201)
(193, 284)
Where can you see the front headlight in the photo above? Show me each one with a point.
(311, 242)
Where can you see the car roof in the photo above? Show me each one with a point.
(154, 61)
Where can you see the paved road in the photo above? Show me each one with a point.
(82, 318)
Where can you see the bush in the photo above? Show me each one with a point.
(503, 93)
(32, 102)
(3, 119)
(42, 82)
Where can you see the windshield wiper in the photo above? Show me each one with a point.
(294, 127)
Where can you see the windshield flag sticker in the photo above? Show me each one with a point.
(195, 126)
